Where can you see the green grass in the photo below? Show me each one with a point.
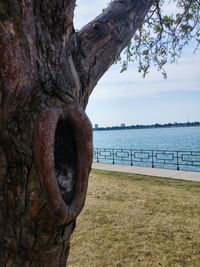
(137, 221)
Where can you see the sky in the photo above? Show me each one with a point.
(130, 99)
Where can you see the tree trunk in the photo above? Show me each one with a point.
(47, 73)
(45, 137)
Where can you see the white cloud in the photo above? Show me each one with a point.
(183, 76)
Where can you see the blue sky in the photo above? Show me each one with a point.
(128, 98)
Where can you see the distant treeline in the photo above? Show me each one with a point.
(157, 125)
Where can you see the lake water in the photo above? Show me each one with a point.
(127, 144)
(180, 138)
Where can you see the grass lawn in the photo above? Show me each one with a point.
(137, 221)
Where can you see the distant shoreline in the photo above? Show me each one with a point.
(151, 126)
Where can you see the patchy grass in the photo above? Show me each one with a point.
(137, 221)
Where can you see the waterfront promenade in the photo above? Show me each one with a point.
(165, 173)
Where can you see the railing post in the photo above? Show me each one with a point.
(177, 161)
(131, 157)
(152, 159)
(113, 156)
(97, 155)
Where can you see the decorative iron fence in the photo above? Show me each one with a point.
(179, 160)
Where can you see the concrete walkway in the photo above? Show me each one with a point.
(182, 175)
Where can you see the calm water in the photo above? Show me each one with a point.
(172, 139)
(180, 138)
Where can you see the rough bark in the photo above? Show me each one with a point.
(47, 72)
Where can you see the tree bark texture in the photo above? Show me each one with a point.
(47, 72)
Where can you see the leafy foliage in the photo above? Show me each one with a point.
(163, 35)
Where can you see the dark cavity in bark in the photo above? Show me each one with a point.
(65, 157)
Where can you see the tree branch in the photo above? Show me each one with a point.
(100, 42)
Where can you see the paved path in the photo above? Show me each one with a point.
(183, 175)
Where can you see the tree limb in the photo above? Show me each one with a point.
(100, 42)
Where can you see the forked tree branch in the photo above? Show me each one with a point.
(47, 27)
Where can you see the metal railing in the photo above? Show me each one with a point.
(179, 160)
